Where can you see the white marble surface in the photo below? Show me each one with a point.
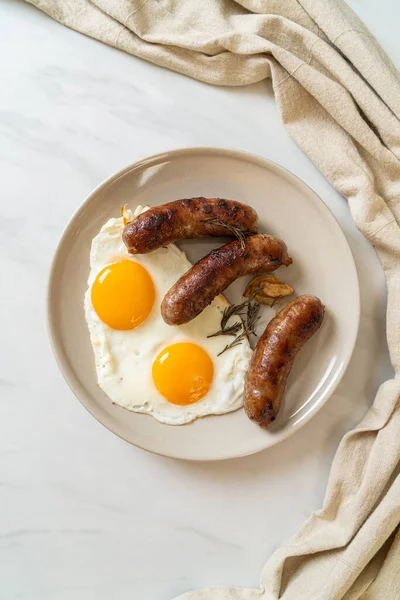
(84, 515)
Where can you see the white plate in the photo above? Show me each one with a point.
(323, 265)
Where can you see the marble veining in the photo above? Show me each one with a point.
(85, 515)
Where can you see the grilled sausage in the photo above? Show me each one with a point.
(273, 357)
(183, 219)
(212, 274)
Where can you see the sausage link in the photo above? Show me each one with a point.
(273, 357)
(183, 219)
(212, 274)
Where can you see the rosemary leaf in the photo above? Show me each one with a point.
(231, 330)
(237, 231)
(236, 309)
(252, 318)
(236, 342)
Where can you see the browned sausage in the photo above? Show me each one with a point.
(183, 219)
(212, 274)
(273, 357)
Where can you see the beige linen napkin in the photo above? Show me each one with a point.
(339, 97)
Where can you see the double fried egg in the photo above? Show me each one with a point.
(173, 373)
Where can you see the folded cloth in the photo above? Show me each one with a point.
(339, 96)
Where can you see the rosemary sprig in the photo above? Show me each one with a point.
(237, 231)
(231, 330)
(236, 342)
(231, 311)
(252, 318)
(249, 329)
(236, 309)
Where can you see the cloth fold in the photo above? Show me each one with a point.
(339, 96)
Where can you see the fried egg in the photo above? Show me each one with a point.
(173, 373)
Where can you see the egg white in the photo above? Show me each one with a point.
(124, 359)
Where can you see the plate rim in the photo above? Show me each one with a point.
(58, 349)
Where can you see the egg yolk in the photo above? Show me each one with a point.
(183, 373)
(123, 294)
